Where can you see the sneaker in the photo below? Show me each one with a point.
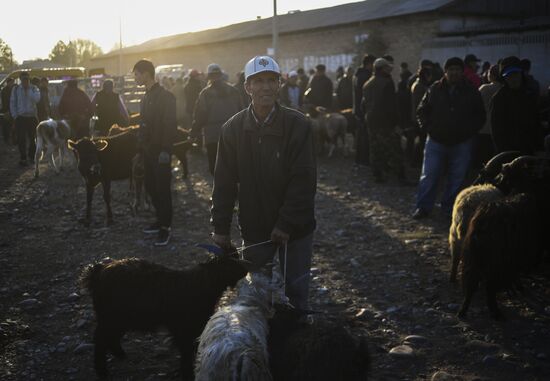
(163, 237)
(153, 229)
(419, 214)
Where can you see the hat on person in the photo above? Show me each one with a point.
(259, 64)
(292, 73)
(213, 69)
(510, 65)
(321, 67)
(471, 58)
(454, 61)
(381, 62)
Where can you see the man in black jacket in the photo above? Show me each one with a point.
(515, 122)
(381, 118)
(362, 75)
(266, 162)
(155, 137)
(451, 113)
(319, 92)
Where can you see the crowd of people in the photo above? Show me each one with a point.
(446, 120)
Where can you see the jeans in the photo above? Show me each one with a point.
(26, 131)
(157, 184)
(297, 270)
(438, 158)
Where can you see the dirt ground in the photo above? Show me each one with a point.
(383, 272)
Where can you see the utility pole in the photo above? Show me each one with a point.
(275, 30)
(119, 45)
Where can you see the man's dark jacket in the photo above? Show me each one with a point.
(344, 92)
(106, 106)
(158, 120)
(515, 123)
(319, 91)
(361, 76)
(271, 170)
(380, 104)
(192, 90)
(448, 118)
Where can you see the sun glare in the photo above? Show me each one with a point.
(101, 20)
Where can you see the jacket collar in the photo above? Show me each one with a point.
(271, 126)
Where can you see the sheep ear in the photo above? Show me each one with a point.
(101, 144)
(71, 145)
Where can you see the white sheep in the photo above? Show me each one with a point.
(233, 345)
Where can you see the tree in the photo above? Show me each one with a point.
(371, 43)
(6, 57)
(75, 52)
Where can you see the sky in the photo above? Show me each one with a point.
(47, 22)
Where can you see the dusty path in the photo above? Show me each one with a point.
(385, 273)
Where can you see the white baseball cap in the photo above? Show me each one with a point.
(292, 73)
(260, 64)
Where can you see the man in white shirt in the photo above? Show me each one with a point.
(23, 101)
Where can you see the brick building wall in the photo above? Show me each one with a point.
(403, 36)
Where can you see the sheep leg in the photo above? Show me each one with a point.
(470, 283)
(100, 352)
(187, 349)
(455, 255)
(492, 301)
(114, 344)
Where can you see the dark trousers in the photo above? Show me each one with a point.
(299, 252)
(212, 151)
(362, 142)
(158, 179)
(26, 131)
(6, 124)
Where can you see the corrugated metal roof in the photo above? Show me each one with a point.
(293, 22)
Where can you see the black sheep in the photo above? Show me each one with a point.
(136, 295)
(323, 350)
(502, 242)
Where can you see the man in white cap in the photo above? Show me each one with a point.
(217, 102)
(291, 96)
(266, 161)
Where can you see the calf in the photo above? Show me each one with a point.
(103, 161)
(135, 295)
(51, 136)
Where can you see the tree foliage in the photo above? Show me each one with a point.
(371, 43)
(75, 52)
(6, 57)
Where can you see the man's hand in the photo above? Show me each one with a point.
(279, 237)
(164, 158)
(223, 241)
